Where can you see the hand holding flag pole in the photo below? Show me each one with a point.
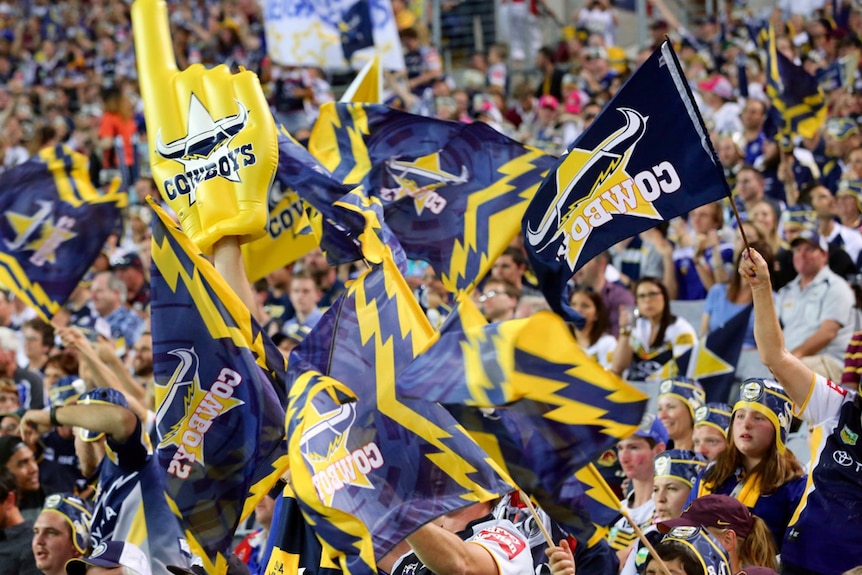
(213, 146)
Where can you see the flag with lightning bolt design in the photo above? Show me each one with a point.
(54, 223)
(560, 409)
(220, 396)
(642, 161)
(712, 360)
(368, 468)
(453, 193)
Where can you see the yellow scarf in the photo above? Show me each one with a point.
(747, 491)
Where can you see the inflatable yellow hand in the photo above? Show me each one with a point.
(213, 143)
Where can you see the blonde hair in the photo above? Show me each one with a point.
(759, 547)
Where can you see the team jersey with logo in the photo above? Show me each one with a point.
(131, 504)
(499, 537)
(678, 338)
(824, 534)
(688, 281)
(622, 534)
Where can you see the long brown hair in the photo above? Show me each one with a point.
(761, 247)
(602, 324)
(667, 318)
(758, 549)
(775, 469)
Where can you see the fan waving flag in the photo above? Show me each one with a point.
(368, 468)
(53, 225)
(452, 193)
(798, 104)
(220, 396)
(562, 409)
(642, 161)
(712, 360)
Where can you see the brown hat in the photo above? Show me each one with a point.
(720, 511)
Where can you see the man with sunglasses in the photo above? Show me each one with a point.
(115, 449)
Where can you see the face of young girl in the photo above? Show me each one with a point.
(753, 433)
(674, 566)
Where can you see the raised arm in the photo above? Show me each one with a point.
(445, 553)
(793, 375)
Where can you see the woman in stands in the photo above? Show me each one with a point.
(594, 337)
(757, 468)
(654, 336)
(677, 401)
(823, 537)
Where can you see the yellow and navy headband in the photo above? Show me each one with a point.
(680, 464)
(841, 128)
(769, 399)
(712, 556)
(76, 513)
(686, 390)
(715, 415)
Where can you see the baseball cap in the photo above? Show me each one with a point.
(718, 85)
(652, 428)
(109, 555)
(812, 237)
(128, 260)
(548, 101)
(768, 398)
(76, 512)
(102, 395)
(719, 511)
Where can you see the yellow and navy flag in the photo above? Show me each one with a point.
(797, 102)
(219, 393)
(367, 86)
(452, 193)
(644, 160)
(712, 360)
(53, 225)
(557, 408)
(292, 546)
(367, 467)
(601, 502)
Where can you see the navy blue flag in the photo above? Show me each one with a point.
(645, 159)
(53, 225)
(562, 409)
(292, 546)
(712, 360)
(368, 468)
(356, 29)
(452, 193)
(219, 393)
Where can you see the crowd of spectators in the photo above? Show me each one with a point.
(711, 472)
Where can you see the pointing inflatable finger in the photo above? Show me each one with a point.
(154, 51)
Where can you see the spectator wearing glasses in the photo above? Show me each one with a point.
(498, 300)
(653, 336)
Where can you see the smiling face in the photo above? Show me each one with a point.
(753, 433)
(669, 496)
(23, 466)
(676, 417)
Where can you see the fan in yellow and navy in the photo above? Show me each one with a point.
(818, 539)
(213, 152)
(130, 502)
(642, 161)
